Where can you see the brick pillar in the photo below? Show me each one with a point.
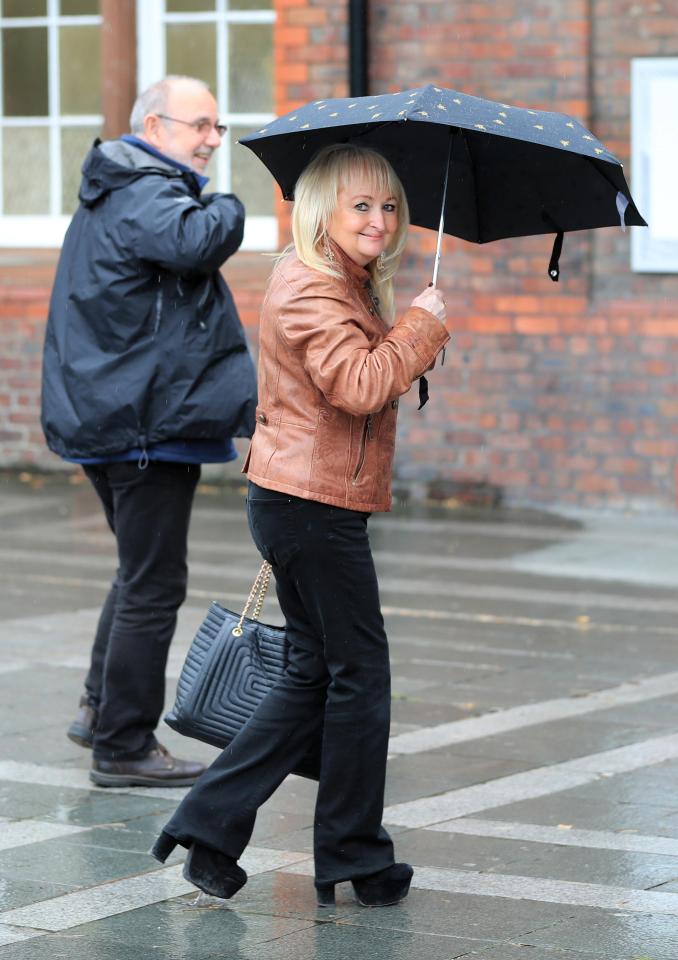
(118, 64)
(311, 63)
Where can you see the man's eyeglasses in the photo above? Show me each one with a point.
(202, 127)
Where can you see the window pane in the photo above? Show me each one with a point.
(250, 4)
(24, 72)
(74, 8)
(192, 51)
(24, 8)
(25, 170)
(250, 180)
(182, 6)
(250, 68)
(80, 59)
(75, 145)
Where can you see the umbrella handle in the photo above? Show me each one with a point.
(441, 228)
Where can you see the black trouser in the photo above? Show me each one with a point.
(337, 682)
(148, 511)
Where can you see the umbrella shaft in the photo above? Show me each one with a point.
(436, 263)
(441, 228)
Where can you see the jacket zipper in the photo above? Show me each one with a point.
(158, 305)
(366, 435)
(142, 463)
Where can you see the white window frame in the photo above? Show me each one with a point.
(46, 230)
(261, 233)
(654, 189)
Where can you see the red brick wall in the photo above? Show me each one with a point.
(552, 393)
(25, 283)
(310, 62)
(25, 280)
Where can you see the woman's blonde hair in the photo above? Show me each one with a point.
(315, 200)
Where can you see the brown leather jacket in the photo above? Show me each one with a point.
(330, 374)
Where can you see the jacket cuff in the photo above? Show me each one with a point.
(424, 333)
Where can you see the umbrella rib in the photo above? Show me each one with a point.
(597, 166)
(474, 192)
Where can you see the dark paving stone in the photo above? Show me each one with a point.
(79, 807)
(74, 865)
(195, 928)
(42, 747)
(465, 916)
(289, 895)
(527, 859)
(127, 838)
(587, 813)
(272, 824)
(452, 851)
(654, 786)
(294, 795)
(339, 941)
(137, 835)
(18, 893)
(453, 769)
(606, 867)
(517, 951)
(67, 947)
(557, 741)
(300, 841)
(402, 786)
(636, 935)
(420, 713)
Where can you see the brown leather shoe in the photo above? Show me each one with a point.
(81, 731)
(157, 769)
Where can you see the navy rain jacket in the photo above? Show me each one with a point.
(143, 340)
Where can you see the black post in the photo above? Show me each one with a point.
(357, 47)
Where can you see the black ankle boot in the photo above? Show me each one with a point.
(381, 889)
(384, 888)
(325, 894)
(213, 872)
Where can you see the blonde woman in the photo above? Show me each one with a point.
(331, 370)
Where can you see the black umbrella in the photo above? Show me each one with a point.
(496, 170)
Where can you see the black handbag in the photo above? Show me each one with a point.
(231, 665)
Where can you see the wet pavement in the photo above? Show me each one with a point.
(533, 779)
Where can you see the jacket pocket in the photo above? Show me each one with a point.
(365, 436)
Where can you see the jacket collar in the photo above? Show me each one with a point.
(169, 161)
(358, 275)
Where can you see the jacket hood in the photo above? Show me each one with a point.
(115, 164)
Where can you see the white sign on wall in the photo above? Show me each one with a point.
(654, 135)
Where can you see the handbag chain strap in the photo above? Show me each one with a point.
(256, 597)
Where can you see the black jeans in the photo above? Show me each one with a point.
(337, 687)
(148, 511)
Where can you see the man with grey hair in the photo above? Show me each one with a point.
(146, 375)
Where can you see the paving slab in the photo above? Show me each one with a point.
(81, 807)
(518, 951)
(188, 927)
(72, 865)
(653, 937)
(18, 893)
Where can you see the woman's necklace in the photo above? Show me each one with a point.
(374, 300)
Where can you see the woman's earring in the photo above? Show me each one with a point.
(327, 249)
(381, 261)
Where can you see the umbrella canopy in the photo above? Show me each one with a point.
(512, 171)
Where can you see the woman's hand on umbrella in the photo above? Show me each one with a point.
(432, 299)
